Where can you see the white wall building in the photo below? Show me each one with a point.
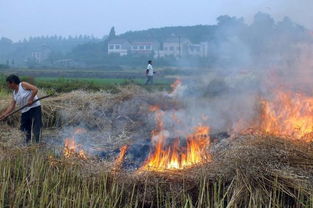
(201, 49)
(41, 54)
(180, 47)
(175, 46)
(119, 46)
(144, 47)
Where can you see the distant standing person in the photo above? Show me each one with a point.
(149, 73)
(25, 94)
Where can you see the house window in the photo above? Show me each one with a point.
(111, 47)
(148, 47)
(165, 48)
(117, 46)
(171, 48)
(135, 47)
(141, 47)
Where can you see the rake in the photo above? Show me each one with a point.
(21, 108)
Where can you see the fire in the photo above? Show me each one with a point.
(177, 88)
(71, 149)
(288, 115)
(154, 108)
(176, 84)
(176, 156)
(119, 160)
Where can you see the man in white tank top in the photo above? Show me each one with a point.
(25, 94)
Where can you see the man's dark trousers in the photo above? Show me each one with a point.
(32, 119)
(149, 80)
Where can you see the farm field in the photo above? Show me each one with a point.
(96, 151)
(61, 84)
(189, 104)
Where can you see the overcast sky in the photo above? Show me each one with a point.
(23, 18)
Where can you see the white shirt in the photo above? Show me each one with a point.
(22, 96)
(150, 68)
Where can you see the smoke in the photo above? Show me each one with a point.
(251, 62)
(299, 11)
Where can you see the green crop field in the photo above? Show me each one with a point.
(68, 84)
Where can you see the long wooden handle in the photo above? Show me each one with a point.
(21, 108)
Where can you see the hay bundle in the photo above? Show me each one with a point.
(260, 167)
(71, 108)
(9, 136)
(107, 112)
(252, 171)
(249, 171)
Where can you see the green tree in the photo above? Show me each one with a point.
(112, 33)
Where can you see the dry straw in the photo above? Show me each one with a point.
(245, 171)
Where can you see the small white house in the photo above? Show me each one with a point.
(179, 47)
(119, 46)
(201, 49)
(175, 47)
(144, 47)
(41, 54)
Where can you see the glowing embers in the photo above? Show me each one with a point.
(172, 155)
(71, 149)
(288, 115)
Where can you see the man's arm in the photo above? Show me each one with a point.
(32, 88)
(8, 110)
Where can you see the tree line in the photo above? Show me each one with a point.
(231, 42)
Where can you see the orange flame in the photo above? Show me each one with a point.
(119, 160)
(174, 156)
(176, 84)
(288, 115)
(71, 149)
(154, 108)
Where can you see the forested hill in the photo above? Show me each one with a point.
(88, 49)
(231, 41)
(19, 53)
(196, 33)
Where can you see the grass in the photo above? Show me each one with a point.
(256, 171)
(94, 84)
(100, 81)
(30, 179)
(90, 84)
(36, 177)
(3, 93)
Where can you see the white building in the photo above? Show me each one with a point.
(201, 49)
(174, 46)
(180, 47)
(119, 46)
(144, 47)
(41, 54)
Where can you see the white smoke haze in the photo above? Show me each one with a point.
(251, 62)
(299, 11)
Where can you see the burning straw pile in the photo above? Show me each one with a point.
(254, 168)
(251, 171)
